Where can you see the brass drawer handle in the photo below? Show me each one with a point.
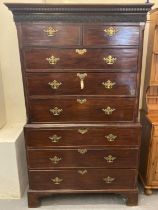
(82, 130)
(111, 137)
(82, 101)
(82, 77)
(56, 180)
(111, 31)
(110, 59)
(110, 158)
(82, 151)
(54, 84)
(55, 159)
(54, 138)
(56, 111)
(108, 110)
(108, 179)
(82, 172)
(50, 31)
(52, 60)
(108, 84)
(81, 51)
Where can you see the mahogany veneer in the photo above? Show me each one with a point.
(69, 59)
(95, 136)
(81, 69)
(125, 84)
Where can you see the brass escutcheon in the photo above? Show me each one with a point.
(82, 172)
(82, 151)
(81, 51)
(83, 130)
(81, 101)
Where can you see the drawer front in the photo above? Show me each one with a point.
(83, 179)
(94, 109)
(68, 158)
(110, 35)
(82, 136)
(71, 84)
(69, 59)
(42, 34)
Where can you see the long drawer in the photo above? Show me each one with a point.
(45, 33)
(114, 84)
(82, 136)
(68, 59)
(68, 109)
(82, 157)
(83, 179)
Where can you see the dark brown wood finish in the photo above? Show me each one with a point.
(97, 35)
(69, 84)
(66, 34)
(83, 157)
(42, 138)
(93, 179)
(36, 59)
(77, 29)
(70, 110)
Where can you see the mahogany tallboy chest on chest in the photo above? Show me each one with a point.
(81, 67)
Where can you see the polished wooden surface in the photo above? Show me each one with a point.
(94, 59)
(70, 158)
(96, 35)
(122, 84)
(90, 111)
(123, 136)
(34, 34)
(93, 179)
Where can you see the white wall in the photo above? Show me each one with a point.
(13, 173)
(2, 103)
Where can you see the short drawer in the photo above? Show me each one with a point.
(83, 179)
(82, 157)
(50, 34)
(101, 35)
(119, 84)
(84, 136)
(71, 109)
(81, 59)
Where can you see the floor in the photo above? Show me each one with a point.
(85, 202)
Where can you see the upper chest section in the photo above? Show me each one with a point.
(97, 25)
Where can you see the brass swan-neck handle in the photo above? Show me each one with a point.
(82, 77)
